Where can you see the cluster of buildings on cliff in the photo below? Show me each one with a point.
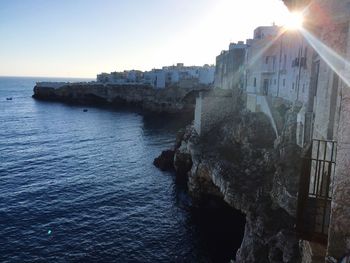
(274, 64)
(307, 71)
(179, 75)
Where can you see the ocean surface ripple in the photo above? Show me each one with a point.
(80, 187)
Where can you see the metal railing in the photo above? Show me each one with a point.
(315, 191)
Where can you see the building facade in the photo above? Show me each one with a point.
(229, 67)
(176, 75)
(278, 65)
(327, 29)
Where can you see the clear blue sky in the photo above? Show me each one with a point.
(80, 38)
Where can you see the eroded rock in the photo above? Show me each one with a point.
(241, 163)
(165, 161)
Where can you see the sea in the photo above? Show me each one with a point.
(80, 186)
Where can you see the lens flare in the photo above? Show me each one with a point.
(335, 61)
(294, 21)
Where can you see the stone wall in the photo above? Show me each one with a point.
(339, 230)
(212, 108)
(273, 107)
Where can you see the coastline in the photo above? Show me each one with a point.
(231, 163)
(170, 100)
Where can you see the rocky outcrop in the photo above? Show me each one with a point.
(165, 161)
(183, 158)
(167, 100)
(288, 165)
(241, 162)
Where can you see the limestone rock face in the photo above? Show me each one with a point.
(182, 162)
(288, 165)
(241, 162)
(167, 100)
(183, 158)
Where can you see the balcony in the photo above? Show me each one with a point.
(315, 191)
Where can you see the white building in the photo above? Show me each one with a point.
(178, 75)
(155, 78)
(278, 65)
(175, 74)
(159, 78)
(263, 32)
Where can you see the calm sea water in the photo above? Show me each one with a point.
(80, 187)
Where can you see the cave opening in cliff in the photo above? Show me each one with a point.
(219, 226)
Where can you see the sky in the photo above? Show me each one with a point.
(81, 38)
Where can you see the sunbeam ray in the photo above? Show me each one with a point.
(335, 61)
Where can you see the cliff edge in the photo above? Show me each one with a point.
(242, 162)
(167, 100)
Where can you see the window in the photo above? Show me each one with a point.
(274, 82)
(267, 60)
(293, 86)
(284, 82)
(254, 82)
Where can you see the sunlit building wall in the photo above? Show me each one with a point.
(278, 64)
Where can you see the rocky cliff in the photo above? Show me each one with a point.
(242, 162)
(168, 100)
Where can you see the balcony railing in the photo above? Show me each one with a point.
(315, 191)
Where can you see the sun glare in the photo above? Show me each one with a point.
(294, 21)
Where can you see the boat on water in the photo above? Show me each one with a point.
(9, 98)
(85, 110)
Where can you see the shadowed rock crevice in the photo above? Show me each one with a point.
(220, 227)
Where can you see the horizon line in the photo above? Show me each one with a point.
(57, 77)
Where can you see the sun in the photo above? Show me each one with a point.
(294, 21)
